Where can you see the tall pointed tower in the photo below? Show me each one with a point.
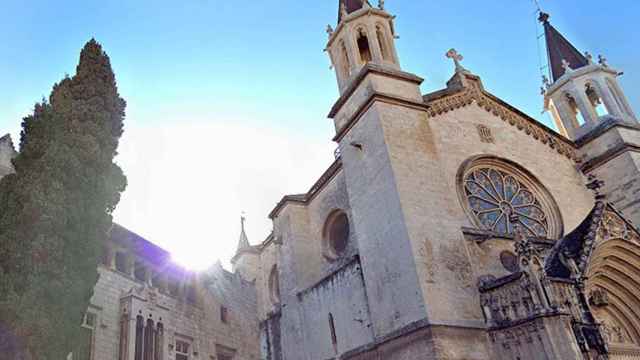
(378, 103)
(247, 257)
(589, 107)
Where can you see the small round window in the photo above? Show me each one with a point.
(336, 234)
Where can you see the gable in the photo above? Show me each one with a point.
(470, 91)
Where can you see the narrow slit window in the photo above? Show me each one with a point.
(332, 329)
(363, 47)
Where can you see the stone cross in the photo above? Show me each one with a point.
(329, 30)
(545, 81)
(381, 4)
(589, 57)
(453, 54)
(566, 66)
(602, 61)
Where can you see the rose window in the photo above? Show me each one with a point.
(497, 199)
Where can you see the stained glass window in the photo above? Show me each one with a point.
(494, 195)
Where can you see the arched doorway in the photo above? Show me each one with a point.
(613, 286)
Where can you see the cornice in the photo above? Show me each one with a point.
(315, 189)
(374, 97)
(603, 127)
(608, 155)
(367, 69)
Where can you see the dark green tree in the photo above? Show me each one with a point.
(55, 211)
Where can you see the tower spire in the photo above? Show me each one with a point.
(562, 54)
(243, 242)
(346, 7)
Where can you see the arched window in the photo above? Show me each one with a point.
(363, 47)
(139, 337)
(384, 46)
(274, 285)
(124, 337)
(159, 341)
(494, 193)
(345, 66)
(595, 100)
(576, 113)
(149, 337)
(336, 234)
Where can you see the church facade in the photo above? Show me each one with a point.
(451, 225)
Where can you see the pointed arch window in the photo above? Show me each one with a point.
(363, 47)
(493, 190)
(594, 98)
(274, 285)
(139, 344)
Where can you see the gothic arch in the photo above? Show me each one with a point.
(614, 270)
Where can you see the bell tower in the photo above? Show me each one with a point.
(589, 107)
(364, 34)
(582, 93)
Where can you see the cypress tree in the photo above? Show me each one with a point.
(55, 211)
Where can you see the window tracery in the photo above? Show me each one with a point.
(493, 192)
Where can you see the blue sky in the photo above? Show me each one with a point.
(227, 100)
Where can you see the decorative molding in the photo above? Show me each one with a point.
(499, 108)
(372, 68)
(374, 97)
(486, 136)
(607, 156)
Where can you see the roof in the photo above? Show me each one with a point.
(243, 242)
(559, 49)
(317, 186)
(351, 6)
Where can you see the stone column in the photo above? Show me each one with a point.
(374, 45)
(584, 105)
(608, 98)
(567, 117)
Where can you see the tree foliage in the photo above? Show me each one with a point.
(55, 211)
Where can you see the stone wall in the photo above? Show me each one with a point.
(199, 321)
(7, 152)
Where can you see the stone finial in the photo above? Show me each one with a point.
(523, 245)
(566, 66)
(343, 10)
(381, 4)
(544, 17)
(595, 185)
(453, 54)
(329, 30)
(589, 57)
(602, 61)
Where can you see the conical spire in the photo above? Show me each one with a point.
(348, 6)
(560, 51)
(243, 243)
